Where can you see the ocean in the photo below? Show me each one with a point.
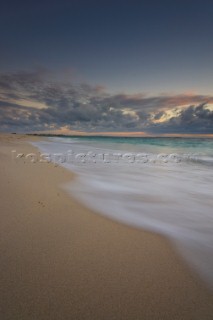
(164, 185)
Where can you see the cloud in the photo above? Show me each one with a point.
(56, 104)
(194, 119)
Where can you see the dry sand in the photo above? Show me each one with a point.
(60, 260)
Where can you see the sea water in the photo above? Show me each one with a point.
(160, 184)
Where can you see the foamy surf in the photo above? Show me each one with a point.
(171, 198)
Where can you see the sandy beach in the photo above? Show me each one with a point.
(60, 260)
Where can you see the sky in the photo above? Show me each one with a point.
(106, 66)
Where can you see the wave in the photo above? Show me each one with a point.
(171, 198)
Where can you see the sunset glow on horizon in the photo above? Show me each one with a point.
(107, 67)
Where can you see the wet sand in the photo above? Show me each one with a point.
(60, 260)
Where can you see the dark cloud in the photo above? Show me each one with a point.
(88, 108)
(194, 119)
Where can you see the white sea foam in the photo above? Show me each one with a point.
(174, 199)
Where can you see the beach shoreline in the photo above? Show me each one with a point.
(60, 260)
